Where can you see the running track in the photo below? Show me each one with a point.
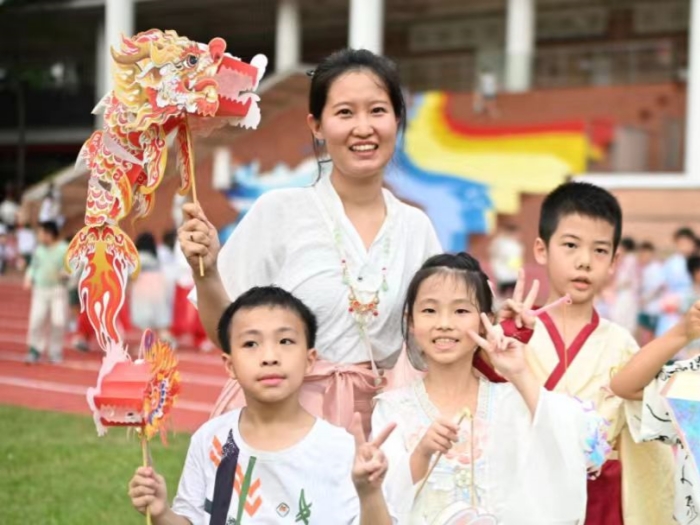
(63, 387)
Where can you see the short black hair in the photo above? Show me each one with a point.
(647, 246)
(628, 244)
(270, 296)
(50, 227)
(580, 198)
(146, 242)
(693, 264)
(170, 238)
(686, 233)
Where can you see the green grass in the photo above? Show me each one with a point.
(54, 470)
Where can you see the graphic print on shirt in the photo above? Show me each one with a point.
(304, 513)
(247, 489)
(282, 509)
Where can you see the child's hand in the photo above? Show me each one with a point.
(518, 309)
(370, 464)
(147, 490)
(507, 355)
(438, 438)
(692, 322)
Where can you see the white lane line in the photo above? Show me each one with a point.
(50, 386)
(212, 358)
(214, 380)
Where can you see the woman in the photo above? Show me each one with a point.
(345, 246)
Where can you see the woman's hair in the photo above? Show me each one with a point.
(344, 61)
(459, 266)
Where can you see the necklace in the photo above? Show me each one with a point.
(362, 304)
(362, 311)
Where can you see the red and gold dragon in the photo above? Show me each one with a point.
(163, 84)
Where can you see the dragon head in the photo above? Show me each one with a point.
(137, 393)
(159, 75)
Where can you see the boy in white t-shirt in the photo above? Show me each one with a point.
(272, 461)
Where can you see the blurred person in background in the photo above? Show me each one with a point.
(149, 291)
(50, 207)
(46, 278)
(650, 292)
(485, 95)
(625, 304)
(677, 282)
(26, 244)
(9, 208)
(506, 258)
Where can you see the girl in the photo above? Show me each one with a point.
(149, 305)
(345, 246)
(466, 450)
(644, 382)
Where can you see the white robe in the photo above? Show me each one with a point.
(527, 470)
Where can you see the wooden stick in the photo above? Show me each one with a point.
(465, 413)
(190, 169)
(145, 455)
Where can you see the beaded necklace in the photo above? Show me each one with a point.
(362, 304)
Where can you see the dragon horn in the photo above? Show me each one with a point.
(120, 58)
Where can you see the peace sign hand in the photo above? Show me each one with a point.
(370, 465)
(518, 309)
(505, 353)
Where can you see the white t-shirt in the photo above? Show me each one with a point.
(309, 483)
(287, 239)
(26, 241)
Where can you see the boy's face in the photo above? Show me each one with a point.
(645, 256)
(579, 257)
(685, 246)
(269, 353)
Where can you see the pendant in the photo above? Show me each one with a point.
(357, 307)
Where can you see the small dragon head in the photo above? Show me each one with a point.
(160, 75)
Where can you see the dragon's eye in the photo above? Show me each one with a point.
(192, 60)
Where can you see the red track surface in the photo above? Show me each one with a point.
(62, 387)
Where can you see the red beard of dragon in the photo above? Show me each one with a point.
(163, 83)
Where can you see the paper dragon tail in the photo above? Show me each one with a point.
(105, 257)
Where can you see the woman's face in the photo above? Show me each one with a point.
(358, 125)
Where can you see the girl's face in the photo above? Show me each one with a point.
(443, 314)
(358, 125)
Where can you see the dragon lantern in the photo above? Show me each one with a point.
(163, 84)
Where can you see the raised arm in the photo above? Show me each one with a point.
(629, 382)
(198, 239)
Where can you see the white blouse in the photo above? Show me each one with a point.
(291, 238)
